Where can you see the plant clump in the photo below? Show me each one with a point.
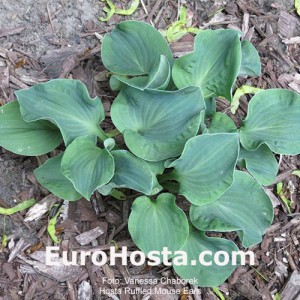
(175, 141)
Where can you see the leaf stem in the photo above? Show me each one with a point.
(118, 195)
(101, 135)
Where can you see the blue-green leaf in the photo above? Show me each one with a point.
(221, 123)
(205, 168)
(87, 166)
(158, 78)
(273, 119)
(67, 104)
(155, 224)
(250, 60)
(133, 48)
(261, 164)
(26, 138)
(130, 172)
(211, 107)
(245, 208)
(206, 276)
(147, 120)
(50, 176)
(213, 65)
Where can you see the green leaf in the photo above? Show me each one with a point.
(158, 78)
(87, 166)
(67, 104)
(245, 208)
(261, 164)
(117, 82)
(211, 107)
(273, 119)
(130, 172)
(155, 224)
(50, 176)
(26, 138)
(297, 7)
(156, 168)
(133, 48)
(250, 60)
(296, 173)
(51, 227)
(160, 74)
(179, 28)
(146, 118)
(205, 168)
(213, 65)
(206, 276)
(221, 123)
(241, 91)
(19, 207)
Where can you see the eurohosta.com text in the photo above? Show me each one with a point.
(153, 258)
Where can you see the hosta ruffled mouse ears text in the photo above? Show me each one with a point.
(175, 141)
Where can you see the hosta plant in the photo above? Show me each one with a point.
(175, 141)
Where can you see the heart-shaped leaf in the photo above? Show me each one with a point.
(67, 104)
(146, 118)
(213, 65)
(26, 138)
(206, 275)
(155, 224)
(221, 123)
(261, 164)
(133, 48)
(273, 119)
(51, 177)
(245, 208)
(250, 60)
(87, 166)
(130, 172)
(205, 168)
(158, 78)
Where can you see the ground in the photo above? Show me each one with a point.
(40, 40)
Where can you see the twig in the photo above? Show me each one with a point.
(120, 228)
(144, 7)
(50, 19)
(283, 176)
(153, 10)
(11, 31)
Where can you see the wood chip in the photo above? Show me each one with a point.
(62, 60)
(58, 272)
(4, 77)
(8, 269)
(37, 211)
(85, 291)
(292, 287)
(21, 245)
(292, 40)
(279, 239)
(286, 24)
(88, 236)
(281, 269)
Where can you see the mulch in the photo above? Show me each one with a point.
(102, 222)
